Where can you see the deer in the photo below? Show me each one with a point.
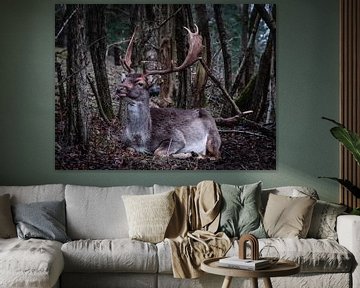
(166, 132)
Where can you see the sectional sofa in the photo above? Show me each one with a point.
(99, 253)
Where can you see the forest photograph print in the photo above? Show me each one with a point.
(165, 87)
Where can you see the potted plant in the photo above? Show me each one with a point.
(351, 141)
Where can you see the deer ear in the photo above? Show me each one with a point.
(122, 77)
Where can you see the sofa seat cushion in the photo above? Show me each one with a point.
(30, 263)
(110, 255)
(313, 255)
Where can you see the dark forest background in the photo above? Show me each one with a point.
(239, 88)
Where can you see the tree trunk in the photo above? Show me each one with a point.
(259, 98)
(166, 55)
(198, 92)
(247, 57)
(224, 47)
(62, 92)
(77, 112)
(117, 61)
(245, 34)
(244, 20)
(181, 51)
(97, 44)
(268, 19)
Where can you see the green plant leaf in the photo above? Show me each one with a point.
(347, 184)
(355, 211)
(348, 138)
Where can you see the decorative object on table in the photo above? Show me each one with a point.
(241, 261)
(254, 246)
(248, 264)
(269, 253)
(351, 142)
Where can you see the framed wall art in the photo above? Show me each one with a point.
(165, 87)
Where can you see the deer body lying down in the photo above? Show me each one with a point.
(166, 131)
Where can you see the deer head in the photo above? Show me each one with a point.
(166, 131)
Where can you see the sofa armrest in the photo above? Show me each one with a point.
(348, 230)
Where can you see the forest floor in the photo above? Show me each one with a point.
(241, 149)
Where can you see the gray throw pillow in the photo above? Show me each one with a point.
(44, 220)
(240, 213)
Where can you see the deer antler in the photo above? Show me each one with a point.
(126, 62)
(195, 49)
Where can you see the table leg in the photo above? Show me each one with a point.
(227, 282)
(254, 282)
(267, 283)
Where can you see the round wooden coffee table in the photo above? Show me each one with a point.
(281, 268)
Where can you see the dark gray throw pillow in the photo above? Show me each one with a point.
(240, 213)
(44, 220)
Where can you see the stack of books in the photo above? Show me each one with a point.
(248, 264)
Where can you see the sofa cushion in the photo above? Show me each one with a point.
(240, 212)
(43, 220)
(164, 257)
(313, 255)
(116, 255)
(109, 280)
(30, 263)
(35, 193)
(149, 215)
(291, 191)
(323, 222)
(98, 213)
(7, 226)
(287, 216)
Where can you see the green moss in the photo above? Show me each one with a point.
(243, 99)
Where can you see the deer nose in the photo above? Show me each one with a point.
(122, 91)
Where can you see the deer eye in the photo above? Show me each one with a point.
(141, 84)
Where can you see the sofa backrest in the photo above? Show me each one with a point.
(98, 212)
(35, 193)
(293, 191)
(162, 188)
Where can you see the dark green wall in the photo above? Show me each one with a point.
(307, 67)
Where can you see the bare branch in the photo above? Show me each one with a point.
(243, 132)
(65, 23)
(240, 115)
(171, 16)
(268, 19)
(221, 87)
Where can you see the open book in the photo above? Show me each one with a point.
(236, 262)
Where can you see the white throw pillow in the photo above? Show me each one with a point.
(149, 215)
